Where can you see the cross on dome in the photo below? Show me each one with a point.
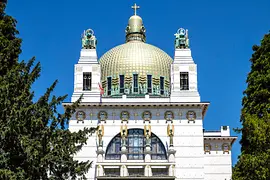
(135, 7)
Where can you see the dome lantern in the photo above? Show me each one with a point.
(135, 29)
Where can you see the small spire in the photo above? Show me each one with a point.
(135, 7)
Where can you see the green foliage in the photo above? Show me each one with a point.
(257, 95)
(34, 141)
(254, 161)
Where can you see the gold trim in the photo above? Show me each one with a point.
(170, 130)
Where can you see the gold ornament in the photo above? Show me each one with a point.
(147, 130)
(123, 130)
(170, 130)
(100, 130)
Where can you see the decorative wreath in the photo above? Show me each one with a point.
(191, 115)
(102, 115)
(207, 147)
(168, 115)
(170, 130)
(124, 130)
(80, 115)
(147, 130)
(225, 147)
(124, 116)
(147, 115)
(100, 130)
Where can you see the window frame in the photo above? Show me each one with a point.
(121, 82)
(184, 81)
(87, 83)
(135, 81)
(109, 82)
(136, 150)
(149, 85)
(162, 84)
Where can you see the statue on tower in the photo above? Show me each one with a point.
(89, 41)
(181, 39)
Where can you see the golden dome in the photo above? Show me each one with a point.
(136, 57)
(135, 68)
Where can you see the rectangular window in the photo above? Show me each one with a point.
(109, 86)
(136, 172)
(161, 85)
(184, 85)
(160, 172)
(149, 84)
(112, 172)
(135, 83)
(87, 81)
(122, 83)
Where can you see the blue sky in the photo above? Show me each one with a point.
(221, 37)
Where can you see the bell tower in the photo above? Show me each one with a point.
(87, 70)
(184, 86)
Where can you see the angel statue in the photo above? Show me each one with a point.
(89, 41)
(124, 134)
(170, 133)
(100, 134)
(181, 39)
(147, 135)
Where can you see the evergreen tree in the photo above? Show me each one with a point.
(34, 141)
(254, 161)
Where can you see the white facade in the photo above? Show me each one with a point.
(183, 149)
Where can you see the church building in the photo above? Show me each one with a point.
(147, 110)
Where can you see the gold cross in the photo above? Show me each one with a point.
(135, 7)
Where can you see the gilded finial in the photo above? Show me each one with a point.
(135, 7)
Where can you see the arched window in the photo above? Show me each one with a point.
(135, 146)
